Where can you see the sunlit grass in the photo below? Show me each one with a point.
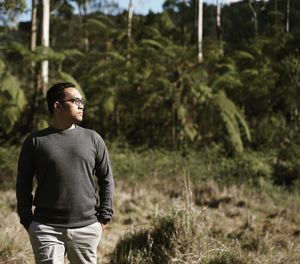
(168, 210)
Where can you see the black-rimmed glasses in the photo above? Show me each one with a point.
(77, 101)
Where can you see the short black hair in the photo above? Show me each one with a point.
(57, 93)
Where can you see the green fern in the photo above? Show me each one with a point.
(227, 81)
(152, 43)
(72, 52)
(151, 31)
(233, 119)
(188, 126)
(243, 55)
(94, 23)
(116, 56)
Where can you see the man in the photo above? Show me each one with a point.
(66, 161)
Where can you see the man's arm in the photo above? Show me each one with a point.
(104, 175)
(26, 171)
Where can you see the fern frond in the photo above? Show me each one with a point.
(94, 23)
(188, 126)
(225, 67)
(167, 22)
(243, 55)
(227, 81)
(249, 74)
(20, 49)
(104, 19)
(152, 43)
(164, 83)
(116, 56)
(151, 31)
(46, 53)
(72, 52)
(232, 118)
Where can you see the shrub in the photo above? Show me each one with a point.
(181, 236)
(250, 167)
(8, 166)
(174, 236)
(286, 170)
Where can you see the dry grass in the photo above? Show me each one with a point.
(14, 241)
(220, 225)
(211, 223)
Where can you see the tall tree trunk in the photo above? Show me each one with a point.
(129, 27)
(85, 12)
(27, 121)
(254, 16)
(200, 30)
(130, 15)
(35, 71)
(33, 40)
(45, 43)
(287, 16)
(33, 25)
(218, 20)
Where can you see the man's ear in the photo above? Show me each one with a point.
(58, 106)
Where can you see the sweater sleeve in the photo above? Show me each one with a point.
(104, 175)
(26, 172)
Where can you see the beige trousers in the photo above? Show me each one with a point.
(50, 244)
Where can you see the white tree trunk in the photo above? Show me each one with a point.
(45, 43)
(288, 16)
(200, 30)
(33, 31)
(218, 19)
(33, 25)
(250, 2)
(129, 27)
(130, 15)
(86, 42)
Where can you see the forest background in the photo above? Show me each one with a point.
(215, 137)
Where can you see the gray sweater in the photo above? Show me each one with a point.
(69, 166)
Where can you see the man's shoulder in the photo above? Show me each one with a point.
(40, 133)
(32, 138)
(90, 133)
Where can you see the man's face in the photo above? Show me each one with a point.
(72, 105)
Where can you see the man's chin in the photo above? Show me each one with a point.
(78, 121)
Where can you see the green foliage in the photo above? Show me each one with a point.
(255, 168)
(233, 120)
(94, 23)
(12, 100)
(290, 84)
(10, 9)
(212, 163)
(150, 90)
(8, 166)
(286, 171)
(269, 130)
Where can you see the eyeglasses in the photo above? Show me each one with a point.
(76, 101)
